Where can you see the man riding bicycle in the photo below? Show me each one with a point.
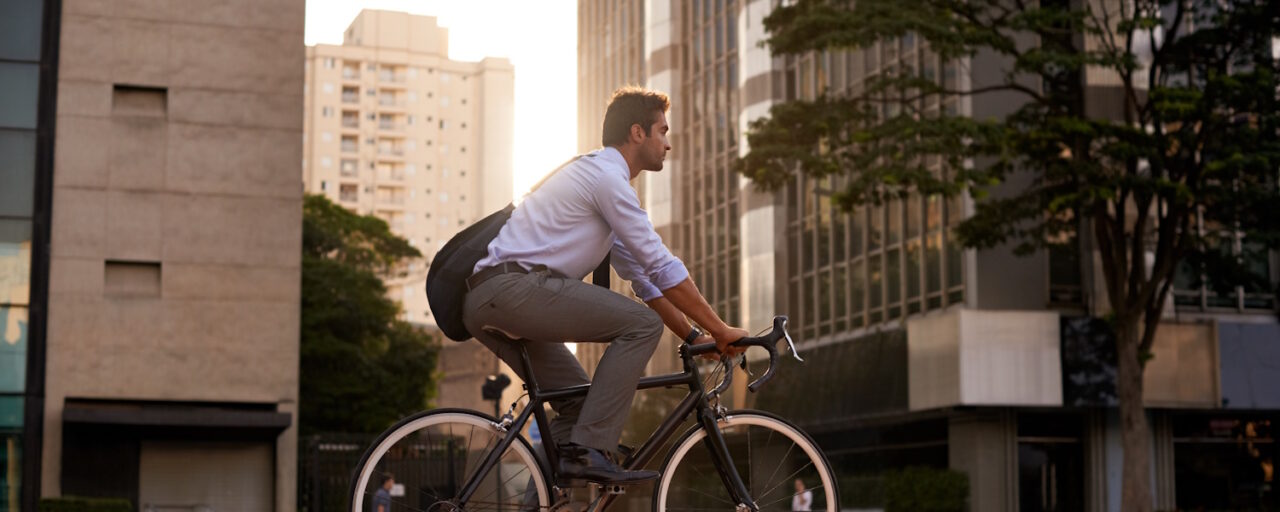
(530, 287)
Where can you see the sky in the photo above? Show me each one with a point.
(540, 39)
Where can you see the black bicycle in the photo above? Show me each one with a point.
(453, 460)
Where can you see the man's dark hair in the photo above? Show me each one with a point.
(631, 105)
(387, 477)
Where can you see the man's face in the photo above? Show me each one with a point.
(655, 147)
(389, 484)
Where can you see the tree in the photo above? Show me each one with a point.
(1182, 168)
(362, 368)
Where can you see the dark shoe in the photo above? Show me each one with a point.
(592, 465)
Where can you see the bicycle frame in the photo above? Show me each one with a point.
(696, 400)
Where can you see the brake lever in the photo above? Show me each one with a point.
(790, 344)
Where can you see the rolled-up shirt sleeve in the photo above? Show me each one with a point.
(642, 257)
(628, 269)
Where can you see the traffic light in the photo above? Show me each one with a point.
(493, 386)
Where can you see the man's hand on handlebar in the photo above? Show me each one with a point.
(729, 336)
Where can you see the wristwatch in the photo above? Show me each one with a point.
(692, 336)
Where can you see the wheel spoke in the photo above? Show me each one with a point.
(789, 477)
(784, 457)
(709, 495)
(784, 498)
(503, 484)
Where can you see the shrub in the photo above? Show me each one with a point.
(862, 491)
(76, 504)
(926, 490)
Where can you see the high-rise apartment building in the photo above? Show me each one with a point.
(395, 128)
(920, 352)
(150, 249)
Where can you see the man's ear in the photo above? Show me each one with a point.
(637, 133)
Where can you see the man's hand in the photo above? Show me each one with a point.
(714, 356)
(730, 335)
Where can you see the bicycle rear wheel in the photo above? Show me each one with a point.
(433, 453)
(770, 455)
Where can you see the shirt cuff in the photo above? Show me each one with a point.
(645, 290)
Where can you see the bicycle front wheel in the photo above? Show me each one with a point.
(777, 461)
(433, 453)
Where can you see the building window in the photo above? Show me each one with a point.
(329, 63)
(348, 144)
(327, 88)
(348, 193)
(1199, 286)
(349, 167)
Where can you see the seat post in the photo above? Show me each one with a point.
(530, 383)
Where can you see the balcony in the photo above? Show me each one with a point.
(350, 98)
(386, 77)
(351, 122)
(391, 152)
(350, 147)
(385, 175)
(350, 73)
(391, 102)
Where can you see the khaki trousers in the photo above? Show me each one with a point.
(545, 312)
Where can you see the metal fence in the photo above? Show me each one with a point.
(327, 463)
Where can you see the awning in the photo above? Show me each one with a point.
(175, 414)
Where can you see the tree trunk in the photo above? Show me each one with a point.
(1135, 433)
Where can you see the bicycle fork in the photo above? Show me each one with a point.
(724, 463)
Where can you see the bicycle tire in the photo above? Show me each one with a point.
(700, 487)
(417, 464)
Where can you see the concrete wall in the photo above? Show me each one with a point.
(193, 184)
(968, 357)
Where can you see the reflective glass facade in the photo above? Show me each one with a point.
(705, 138)
(879, 263)
(20, 74)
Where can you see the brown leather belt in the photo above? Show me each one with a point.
(488, 273)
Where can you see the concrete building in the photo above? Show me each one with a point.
(396, 129)
(921, 352)
(150, 236)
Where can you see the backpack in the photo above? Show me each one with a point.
(453, 264)
(447, 278)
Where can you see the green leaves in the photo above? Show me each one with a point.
(362, 368)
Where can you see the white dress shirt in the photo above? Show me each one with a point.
(577, 217)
